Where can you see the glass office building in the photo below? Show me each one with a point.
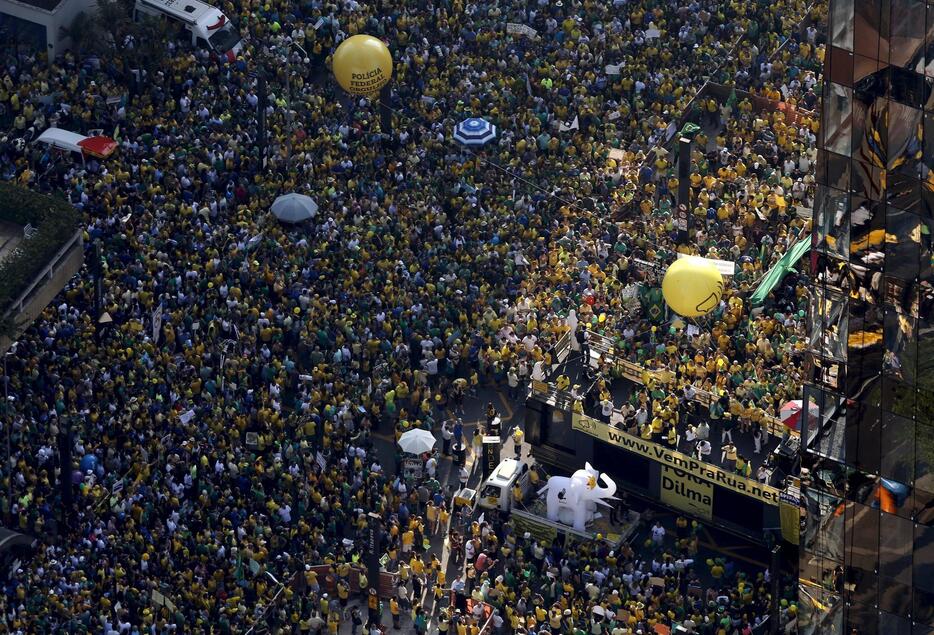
(867, 545)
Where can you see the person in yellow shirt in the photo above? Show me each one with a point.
(431, 515)
(417, 565)
(334, 622)
(444, 517)
(408, 541)
(646, 432)
(343, 594)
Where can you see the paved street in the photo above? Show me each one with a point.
(512, 414)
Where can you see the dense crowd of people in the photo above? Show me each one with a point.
(592, 587)
(235, 437)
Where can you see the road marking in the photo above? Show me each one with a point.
(506, 405)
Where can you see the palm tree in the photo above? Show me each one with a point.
(83, 34)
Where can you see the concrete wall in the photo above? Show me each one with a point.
(43, 296)
(53, 21)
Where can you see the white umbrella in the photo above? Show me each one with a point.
(474, 132)
(417, 441)
(294, 208)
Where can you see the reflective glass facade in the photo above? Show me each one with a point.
(867, 549)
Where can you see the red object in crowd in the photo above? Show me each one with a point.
(100, 146)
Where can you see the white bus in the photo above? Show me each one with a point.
(209, 28)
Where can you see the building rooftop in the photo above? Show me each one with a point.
(47, 5)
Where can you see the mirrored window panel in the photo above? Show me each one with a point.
(929, 43)
(904, 237)
(826, 434)
(898, 452)
(905, 148)
(832, 222)
(862, 442)
(896, 622)
(923, 572)
(907, 34)
(861, 550)
(829, 328)
(895, 541)
(867, 20)
(901, 347)
(823, 536)
(862, 593)
(841, 23)
(837, 124)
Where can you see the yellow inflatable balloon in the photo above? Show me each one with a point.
(362, 64)
(692, 286)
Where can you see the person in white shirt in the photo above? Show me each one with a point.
(538, 371)
(512, 378)
(762, 474)
(690, 434)
(703, 450)
(447, 433)
(658, 533)
(642, 415)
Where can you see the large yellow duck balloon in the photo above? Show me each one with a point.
(692, 286)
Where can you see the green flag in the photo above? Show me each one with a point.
(775, 275)
(690, 129)
(653, 303)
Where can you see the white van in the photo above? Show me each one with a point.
(209, 28)
(496, 492)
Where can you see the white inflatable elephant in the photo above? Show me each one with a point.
(573, 500)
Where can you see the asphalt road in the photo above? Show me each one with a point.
(511, 413)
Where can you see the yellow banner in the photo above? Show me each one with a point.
(683, 462)
(686, 492)
(545, 534)
(789, 512)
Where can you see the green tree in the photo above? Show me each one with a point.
(83, 33)
(151, 35)
(114, 19)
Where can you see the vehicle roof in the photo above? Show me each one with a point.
(60, 138)
(189, 10)
(506, 470)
